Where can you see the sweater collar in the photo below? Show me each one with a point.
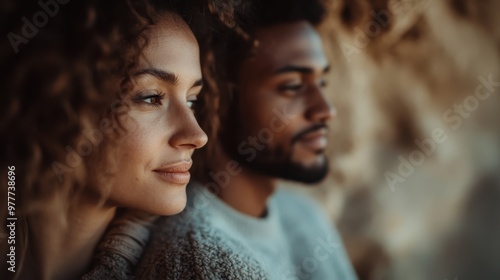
(229, 219)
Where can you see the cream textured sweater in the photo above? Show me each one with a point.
(121, 248)
(210, 240)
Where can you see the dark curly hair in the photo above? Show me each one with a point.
(65, 68)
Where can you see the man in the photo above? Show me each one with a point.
(237, 225)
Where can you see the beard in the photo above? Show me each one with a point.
(287, 169)
(277, 161)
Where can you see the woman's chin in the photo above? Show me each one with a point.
(173, 205)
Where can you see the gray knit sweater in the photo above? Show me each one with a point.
(210, 240)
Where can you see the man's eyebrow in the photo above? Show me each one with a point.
(160, 74)
(198, 83)
(300, 69)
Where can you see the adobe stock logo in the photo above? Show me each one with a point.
(326, 249)
(364, 35)
(39, 19)
(454, 118)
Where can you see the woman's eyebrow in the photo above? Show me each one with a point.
(168, 77)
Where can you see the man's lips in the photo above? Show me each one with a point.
(316, 140)
(177, 173)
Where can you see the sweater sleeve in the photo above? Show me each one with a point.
(202, 254)
(121, 248)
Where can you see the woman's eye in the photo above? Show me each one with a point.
(150, 99)
(153, 100)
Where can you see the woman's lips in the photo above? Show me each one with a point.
(181, 178)
(177, 173)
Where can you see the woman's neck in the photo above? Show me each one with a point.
(65, 252)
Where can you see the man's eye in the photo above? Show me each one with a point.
(291, 87)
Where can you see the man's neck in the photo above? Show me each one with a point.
(247, 191)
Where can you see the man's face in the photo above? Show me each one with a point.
(281, 109)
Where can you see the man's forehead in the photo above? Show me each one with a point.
(285, 31)
(297, 43)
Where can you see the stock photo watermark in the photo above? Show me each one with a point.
(454, 118)
(31, 26)
(11, 218)
(90, 138)
(325, 249)
(364, 35)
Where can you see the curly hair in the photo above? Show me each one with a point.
(226, 22)
(65, 67)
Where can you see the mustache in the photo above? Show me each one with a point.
(306, 131)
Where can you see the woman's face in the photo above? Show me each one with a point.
(154, 155)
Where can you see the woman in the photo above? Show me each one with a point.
(96, 114)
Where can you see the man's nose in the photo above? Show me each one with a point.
(320, 108)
